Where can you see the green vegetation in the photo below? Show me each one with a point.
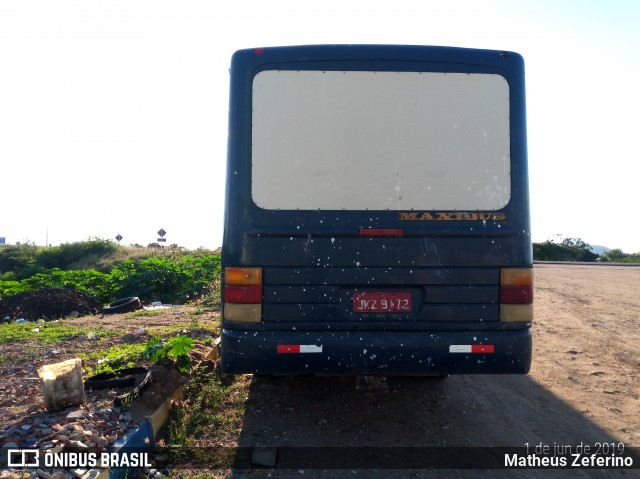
(108, 271)
(214, 406)
(618, 256)
(174, 351)
(113, 358)
(574, 249)
(23, 260)
(144, 313)
(48, 332)
(175, 277)
(568, 249)
(77, 255)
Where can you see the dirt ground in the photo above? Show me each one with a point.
(20, 389)
(583, 388)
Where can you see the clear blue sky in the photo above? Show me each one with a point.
(113, 115)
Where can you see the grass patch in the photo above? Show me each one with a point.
(212, 410)
(186, 323)
(48, 332)
(145, 313)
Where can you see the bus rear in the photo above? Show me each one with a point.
(377, 212)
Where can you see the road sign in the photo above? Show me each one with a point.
(162, 240)
(119, 238)
(161, 233)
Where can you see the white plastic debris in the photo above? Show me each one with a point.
(157, 305)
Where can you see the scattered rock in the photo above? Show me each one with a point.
(102, 441)
(77, 414)
(43, 475)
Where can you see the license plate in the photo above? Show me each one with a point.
(382, 302)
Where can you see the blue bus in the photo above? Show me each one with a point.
(377, 212)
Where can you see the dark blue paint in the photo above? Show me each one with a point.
(314, 260)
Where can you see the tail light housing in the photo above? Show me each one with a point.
(243, 295)
(516, 295)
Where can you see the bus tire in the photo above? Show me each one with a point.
(124, 305)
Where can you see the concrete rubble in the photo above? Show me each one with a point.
(96, 424)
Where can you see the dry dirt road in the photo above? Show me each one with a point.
(583, 388)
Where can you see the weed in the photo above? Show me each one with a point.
(113, 358)
(207, 395)
(175, 351)
(211, 410)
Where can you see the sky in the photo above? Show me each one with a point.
(113, 114)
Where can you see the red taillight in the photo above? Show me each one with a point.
(516, 294)
(243, 285)
(243, 294)
(381, 232)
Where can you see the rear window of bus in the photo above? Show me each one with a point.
(364, 140)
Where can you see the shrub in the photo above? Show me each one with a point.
(90, 281)
(18, 259)
(75, 255)
(569, 249)
(168, 278)
(173, 277)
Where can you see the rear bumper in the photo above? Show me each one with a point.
(376, 352)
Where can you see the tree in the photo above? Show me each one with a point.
(569, 249)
